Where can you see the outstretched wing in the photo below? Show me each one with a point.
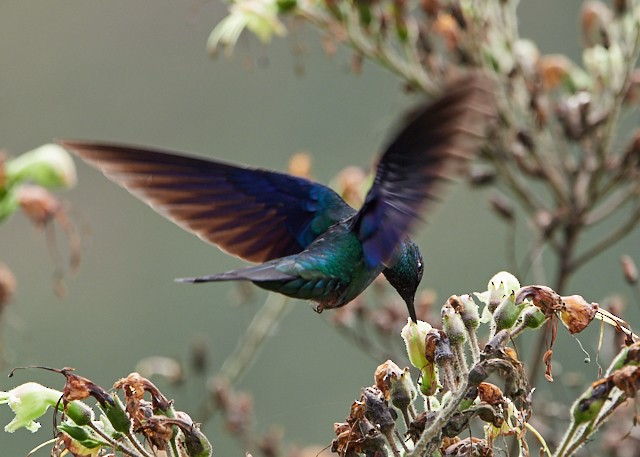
(255, 214)
(420, 156)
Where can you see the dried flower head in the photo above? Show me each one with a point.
(576, 314)
(300, 165)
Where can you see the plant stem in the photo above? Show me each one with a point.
(115, 444)
(427, 445)
(381, 53)
(566, 440)
(132, 439)
(540, 438)
(475, 348)
(565, 271)
(274, 309)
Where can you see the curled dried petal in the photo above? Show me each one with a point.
(543, 297)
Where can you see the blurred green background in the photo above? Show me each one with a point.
(139, 72)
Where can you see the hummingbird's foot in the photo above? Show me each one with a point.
(318, 308)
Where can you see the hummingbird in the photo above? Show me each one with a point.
(308, 243)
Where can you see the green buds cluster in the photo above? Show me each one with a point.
(118, 425)
(455, 393)
(501, 309)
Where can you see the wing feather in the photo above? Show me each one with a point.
(255, 214)
(417, 159)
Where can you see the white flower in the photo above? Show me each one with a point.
(28, 401)
(259, 16)
(49, 165)
(500, 286)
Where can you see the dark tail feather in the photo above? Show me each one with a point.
(227, 276)
(257, 273)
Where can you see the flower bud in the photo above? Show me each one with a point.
(79, 412)
(383, 374)
(402, 390)
(452, 323)
(532, 317)
(81, 435)
(507, 312)
(117, 415)
(414, 334)
(50, 166)
(421, 356)
(469, 312)
(395, 384)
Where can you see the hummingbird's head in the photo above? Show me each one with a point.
(406, 273)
